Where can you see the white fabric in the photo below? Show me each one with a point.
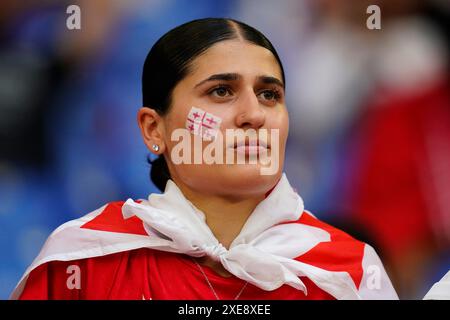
(440, 290)
(261, 254)
(375, 283)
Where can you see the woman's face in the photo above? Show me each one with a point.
(241, 83)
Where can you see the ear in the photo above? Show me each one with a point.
(152, 129)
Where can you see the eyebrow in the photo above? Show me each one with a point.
(236, 76)
(271, 80)
(220, 76)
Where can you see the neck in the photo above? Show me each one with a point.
(224, 216)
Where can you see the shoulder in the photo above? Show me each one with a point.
(339, 242)
(101, 232)
(343, 253)
(340, 253)
(89, 278)
(102, 236)
(336, 235)
(110, 218)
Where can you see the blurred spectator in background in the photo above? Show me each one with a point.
(401, 186)
(372, 114)
(369, 147)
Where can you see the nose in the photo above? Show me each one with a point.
(250, 114)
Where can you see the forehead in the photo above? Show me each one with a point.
(235, 56)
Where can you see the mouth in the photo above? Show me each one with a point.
(250, 147)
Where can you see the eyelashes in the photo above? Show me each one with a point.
(220, 91)
(275, 94)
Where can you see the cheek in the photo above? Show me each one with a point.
(175, 119)
(285, 126)
(202, 123)
(279, 119)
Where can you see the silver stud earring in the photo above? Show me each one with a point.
(155, 147)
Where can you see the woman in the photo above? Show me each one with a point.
(221, 229)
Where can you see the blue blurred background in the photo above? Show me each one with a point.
(369, 144)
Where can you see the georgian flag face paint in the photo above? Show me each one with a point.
(202, 123)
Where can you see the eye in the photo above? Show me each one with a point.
(270, 95)
(220, 92)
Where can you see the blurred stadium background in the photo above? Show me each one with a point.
(369, 146)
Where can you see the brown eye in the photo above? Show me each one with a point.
(270, 95)
(220, 92)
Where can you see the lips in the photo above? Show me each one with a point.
(250, 147)
(250, 143)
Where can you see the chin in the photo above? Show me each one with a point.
(247, 179)
(237, 180)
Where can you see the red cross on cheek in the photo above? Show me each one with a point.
(211, 121)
